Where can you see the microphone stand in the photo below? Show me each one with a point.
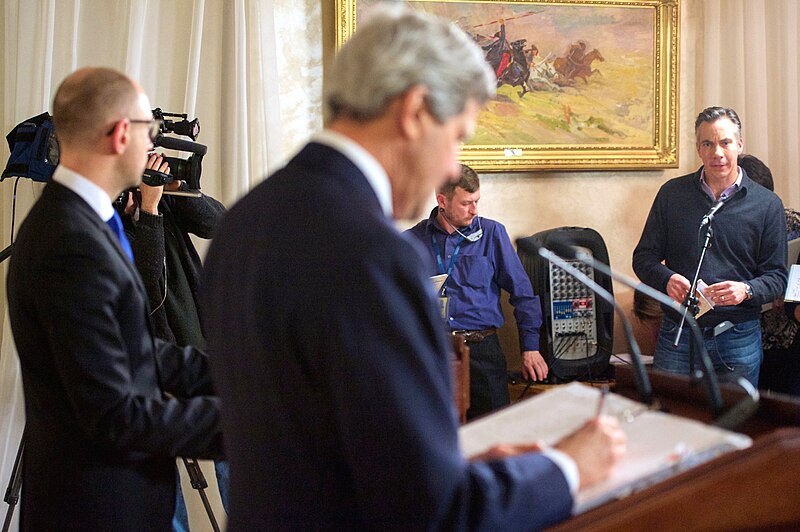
(691, 298)
(712, 384)
(642, 382)
(737, 413)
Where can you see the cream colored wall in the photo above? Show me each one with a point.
(615, 204)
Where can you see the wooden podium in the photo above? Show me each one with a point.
(755, 488)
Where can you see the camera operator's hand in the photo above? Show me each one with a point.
(152, 195)
(172, 186)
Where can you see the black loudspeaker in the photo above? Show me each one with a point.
(577, 333)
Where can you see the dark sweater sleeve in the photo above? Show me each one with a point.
(651, 249)
(772, 274)
(147, 240)
(198, 216)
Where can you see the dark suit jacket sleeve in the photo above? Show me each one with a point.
(198, 216)
(397, 419)
(183, 371)
(105, 358)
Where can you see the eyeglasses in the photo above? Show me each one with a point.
(153, 125)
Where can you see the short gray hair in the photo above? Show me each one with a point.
(712, 114)
(398, 48)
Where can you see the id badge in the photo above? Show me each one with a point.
(443, 302)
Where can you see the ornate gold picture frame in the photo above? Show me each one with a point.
(582, 84)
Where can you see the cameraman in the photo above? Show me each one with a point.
(158, 228)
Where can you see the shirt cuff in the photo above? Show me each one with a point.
(567, 466)
(149, 219)
(529, 341)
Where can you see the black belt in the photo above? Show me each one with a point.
(475, 336)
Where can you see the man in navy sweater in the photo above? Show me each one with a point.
(744, 267)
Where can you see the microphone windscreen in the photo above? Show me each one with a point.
(528, 245)
(562, 247)
(171, 143)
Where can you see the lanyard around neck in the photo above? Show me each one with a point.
(438, 252)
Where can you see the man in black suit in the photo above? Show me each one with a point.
(108, 406)
(333, 360)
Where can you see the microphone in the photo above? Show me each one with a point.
(738, 412)
(533, 247)
(171, 143)
(710, 214)
(742, 410)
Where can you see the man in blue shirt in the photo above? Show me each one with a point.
(477, 256)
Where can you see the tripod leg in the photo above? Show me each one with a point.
(14, 485)
(199, 483)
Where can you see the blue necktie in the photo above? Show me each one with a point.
(115, 223)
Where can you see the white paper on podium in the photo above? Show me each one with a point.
(659, 445)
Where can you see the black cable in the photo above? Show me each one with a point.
(568, 344)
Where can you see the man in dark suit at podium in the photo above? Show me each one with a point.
(108, 406)
(326, 343)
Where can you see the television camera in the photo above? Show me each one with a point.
(187, 170)
(35, 151)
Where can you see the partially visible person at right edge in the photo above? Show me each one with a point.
(780, 369)
(744, 267)
(333, 361)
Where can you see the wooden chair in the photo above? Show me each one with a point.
(460, 367)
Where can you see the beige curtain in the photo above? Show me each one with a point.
(212, 59)
(750, 63)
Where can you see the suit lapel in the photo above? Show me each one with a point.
(89, 217)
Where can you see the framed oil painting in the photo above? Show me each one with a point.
(581, 85)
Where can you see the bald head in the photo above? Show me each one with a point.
(103, 122)
(89, 101)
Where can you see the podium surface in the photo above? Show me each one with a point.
(754, 488)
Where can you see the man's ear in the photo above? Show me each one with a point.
(412, 111)
(440, 200)
(119, 137)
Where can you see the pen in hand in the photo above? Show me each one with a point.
(602, 400)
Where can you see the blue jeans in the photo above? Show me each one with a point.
(180, 521)
(734, 353)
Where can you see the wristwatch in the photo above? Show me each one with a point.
(748, 291)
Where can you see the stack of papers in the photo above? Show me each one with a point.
(659, 445)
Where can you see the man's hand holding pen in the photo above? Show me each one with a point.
(596, 446)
